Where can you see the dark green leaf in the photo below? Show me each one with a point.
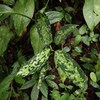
(52, 84)
(19, 80)
(5, 36)
(89, 66)
(65, 96)
(98, 76)
(44, 89)
(28, 84)
(25, 96)
(78, 39)
(35, 93)
(9, 2)
(58, 8)
(4, 95)
(5, 9)
(36, 40)
(44, 98)
(55, 95)
(50, 77)
(25, 8)
(4, 85)
(54, 16)
(68, 18)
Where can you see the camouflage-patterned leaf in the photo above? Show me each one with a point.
(70, 68)
(64, 32)
(40, 34)
(35, 64)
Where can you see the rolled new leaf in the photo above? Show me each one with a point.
(35, 64)
(71, 69)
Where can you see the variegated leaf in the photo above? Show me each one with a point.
(35, 64)
(71, 69)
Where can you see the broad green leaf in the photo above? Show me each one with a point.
(35, 93)
(78, 49)
(70, 68)
(35, 63)
(97, 7)
(67, 48)
(97, 66)
(44, 98)
(93, 77)
(83, 29)
(26, 8)
(4, 95)
(95, 85)
(59, 8)
(88, 66)
(28, 84)
(78, 39)
(68, 18)
(25, 96)
(65, 96)
(54, 16)
(4, 11)
(85, 40)
(52, 84)
(91, 12)
(9, 2)
(55, 95)
(64, 32)
(36, 40)
(50, 77)
(98, 76)
(4, 85)
(62, 75)
(5, 36)
(19, 80)
(44, 89)
(98, 94)
(40, 34)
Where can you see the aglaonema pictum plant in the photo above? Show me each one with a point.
(41, 39)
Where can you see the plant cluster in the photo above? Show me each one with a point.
(49, 51)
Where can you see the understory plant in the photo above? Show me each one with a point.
(64, 63)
